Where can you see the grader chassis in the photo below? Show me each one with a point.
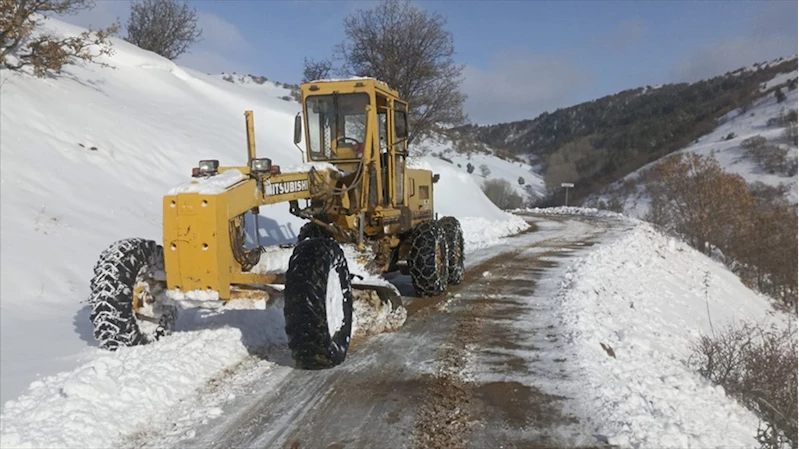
(356, 191)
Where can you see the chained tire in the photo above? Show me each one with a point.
(318, 304)
(312, 230)
(127, 277)
(427, 259)
(454, 234)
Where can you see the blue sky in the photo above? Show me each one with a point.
(522, 57)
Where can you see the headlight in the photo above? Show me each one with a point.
(208, 167)
(262, 165)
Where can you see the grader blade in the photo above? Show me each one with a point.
(388, 295)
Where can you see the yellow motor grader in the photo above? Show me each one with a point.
(353, 188)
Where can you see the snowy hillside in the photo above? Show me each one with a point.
(740, 124)
(646, 297)
(86, 159)
(498, 168)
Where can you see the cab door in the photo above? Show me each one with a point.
(399, 134)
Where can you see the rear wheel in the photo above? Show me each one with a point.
(128, 305)
(318, 304)
(427, 259)
(454, 233)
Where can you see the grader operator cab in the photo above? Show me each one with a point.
(354, 189)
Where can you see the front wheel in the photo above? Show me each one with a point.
(318, 304)
(127, 300)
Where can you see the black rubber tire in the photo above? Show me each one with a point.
(111, 298)
(305, 310)
(312, 230)
(454, 233)
(429, 273)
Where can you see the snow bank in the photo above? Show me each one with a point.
(483, 223)
(114, 394)
(643, 296)
(572, 210)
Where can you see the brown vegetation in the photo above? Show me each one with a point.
(46, 53)
(502, 194)
(165, 27)
(755, 228)
(757, 367)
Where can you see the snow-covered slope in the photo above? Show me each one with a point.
(498, 168)
(742, 124)
(263, 85)
(646, 298)
(86, 159)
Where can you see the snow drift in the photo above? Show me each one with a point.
(86, 158)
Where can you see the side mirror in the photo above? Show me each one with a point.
(436, 177)
(297, 128)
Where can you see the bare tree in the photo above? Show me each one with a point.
(165, 27)
(45, 52)
(315, 70)
(410, 50)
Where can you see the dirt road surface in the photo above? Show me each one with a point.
(467, 370)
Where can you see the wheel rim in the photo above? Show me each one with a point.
(151, 316)
(334, 303)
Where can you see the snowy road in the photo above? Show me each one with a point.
(474, 368)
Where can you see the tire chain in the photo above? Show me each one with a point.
(426, 279)
(454, 233)
(305, 304)
(311, 230)
(111, 296)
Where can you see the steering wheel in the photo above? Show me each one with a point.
(356, 145)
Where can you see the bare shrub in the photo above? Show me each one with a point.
(501, 193)
(771, 158)
(409, 49)
(165, 27)
(693, 197)
(758, 367)
(484, 170)
(46, 53)
(315, 70)
(753, 143)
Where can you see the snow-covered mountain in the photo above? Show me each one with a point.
(760, 118)
(88, 155)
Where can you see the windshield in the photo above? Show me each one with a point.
(336, 125)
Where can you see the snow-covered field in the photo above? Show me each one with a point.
(86, 159)
(743, 124)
